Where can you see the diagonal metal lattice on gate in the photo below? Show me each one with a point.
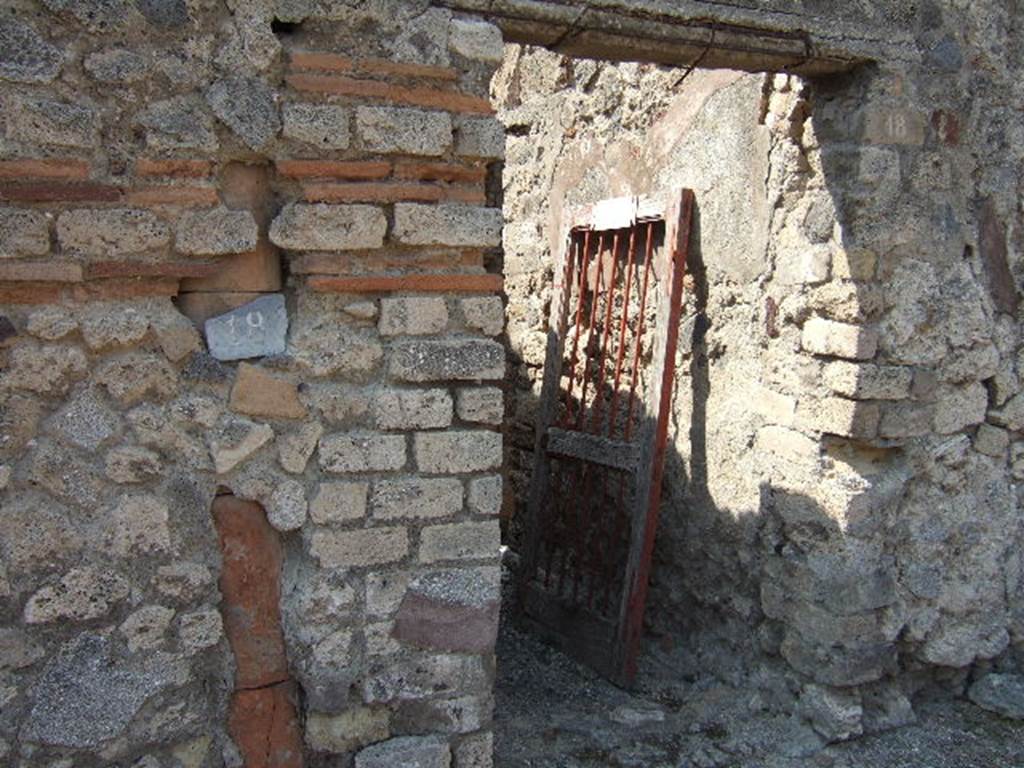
(603, 427)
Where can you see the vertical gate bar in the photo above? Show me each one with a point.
(581, 264)
(622, 330)
(648, 257)
(609, 298)
(638, 568)
(598, 278)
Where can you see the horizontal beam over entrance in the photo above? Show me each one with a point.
(696, 33)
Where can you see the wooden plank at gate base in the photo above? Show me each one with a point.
(593, 448)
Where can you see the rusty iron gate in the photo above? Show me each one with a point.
(602, 429)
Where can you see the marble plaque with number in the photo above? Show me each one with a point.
(256, 329)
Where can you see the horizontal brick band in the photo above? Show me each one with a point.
(106, 269)
(424, 283)
(440, 172)
(325, 169)
(390, 193)
(352, 265)
(188, 196)
(129, 288)
(41, 271)
(42, 192)
(30, 293)
(374, 89)
(333, 62)
(191, 168)
(67, 169)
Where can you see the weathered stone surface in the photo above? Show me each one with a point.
(484, 405)
(413, 409)
(868, 382)
(416, 497)
(45, 370)
(164, 13)
(894, 126)
(256, 329)
(139, 524)
(834, 713)
(235, 441)
(460, 541)
(476, 39)
(39, 120)
(312, 227)
(475, 751)
(25, 56)
(86, 422)
(462, 359)
(448, 224)
(250, 582)
(247, 106)
(403, 130)
(991, 441)
(839, 416)
(199, 630)
(483, 313)
(145, 628)
(960, 407)
(264, 725)
(484, 495)
(457, 451)
(215, 232)
(461, 714)
(137, 376)
(183, 581)
(106, 325)
(347, 731)
(23, 233)
(412, 316)
(1002, 694)
(111, 232)
(116, 65)
(177, 336)
(338, 501)
(362, 453)
(453, 610)
(181, 122)
(17, 650)
(82, 594)
(66, 475)
(326, 346)
(319, 125)
(482, 137)
(827, 337)
(409, 751)
(132, 464)
(287, 507)
(295, 448)
(87, 695)
(358, 548)
(1010, 415)
(36, 533)
(257, 393)
(418, 677)
(51, 323)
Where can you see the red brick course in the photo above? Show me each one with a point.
(65, 168)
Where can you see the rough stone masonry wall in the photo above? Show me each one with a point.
(844, 494)
(165, 162)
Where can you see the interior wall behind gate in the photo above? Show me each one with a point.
(313, 177)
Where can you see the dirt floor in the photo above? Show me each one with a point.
(554, 713)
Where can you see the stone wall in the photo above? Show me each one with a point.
(311, 180)
(842, 509)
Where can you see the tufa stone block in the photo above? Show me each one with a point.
(39, 120)
(404, 130)
(480, 137)
(459, 359)
(25, 56)
(359, 548)
(317, 226)
(839, 416)
(413, 409)
(247, 106)
(460, 541)
(484, 405)
(319, 125)
(485, 495)
(362, 453)
(476, 39)
(412, 316)
(406, 751)
(416, 497)
(484, 313)
(828, 337)
(457, 451)
(256, 329)
(111, 232)
(868, 382)
(216, 233)
(451, 224)
(452, 610)
(338, 502)
(23, 233)
(257, 393)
